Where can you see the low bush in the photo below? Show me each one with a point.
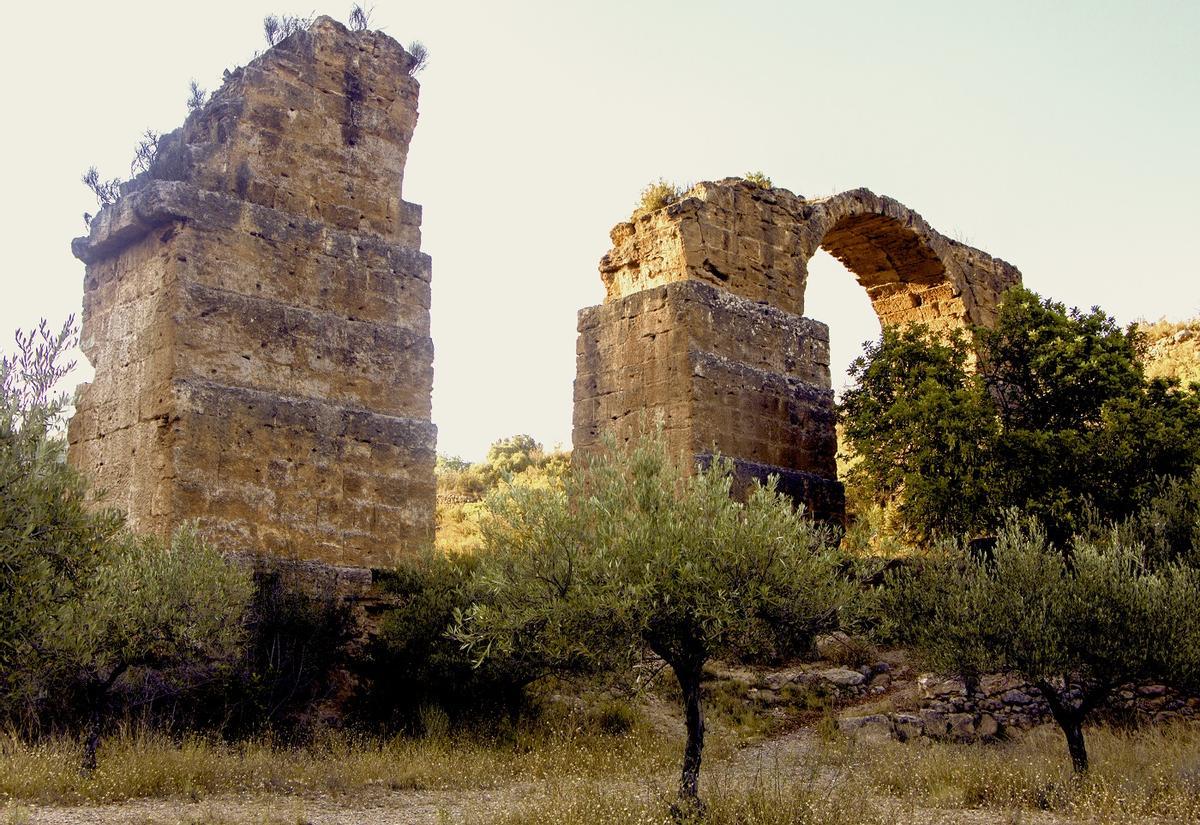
(413, 664)
(295, 654)
(1168, 527)
(106, 191)
(142, 763)
(759, 179)
(277, 28)
(360, 17)
(1075, 622)
(418, 57)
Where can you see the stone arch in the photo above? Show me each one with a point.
(756, 243)
(910, 271)
(885, 247)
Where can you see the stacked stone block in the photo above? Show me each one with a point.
(257, 311)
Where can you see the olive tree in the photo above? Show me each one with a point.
(150, 605)
(633, 554)
(51, 537)
(1075, 624)
(82, 600)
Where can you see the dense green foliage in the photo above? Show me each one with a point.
(1168, 526)
(923, 429)
(82, 601)
(51, 543)
(462, 486)
(626, 557)
(519, 456)
(1056, 418)
(414, 664)
(1076, 624)
(148, 606)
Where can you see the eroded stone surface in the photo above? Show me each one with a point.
(724, 374)
(757, 242)
(257, 310)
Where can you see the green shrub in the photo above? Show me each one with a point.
(852, 651)
(759, 179)
(1048, 411)
(613, 717)
(1168, 526)
(632, 553)
(150, 606)
(52, 541)
(1074, 622)
(414, 664)
(86, 609)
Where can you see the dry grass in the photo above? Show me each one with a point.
(787, 792)
(746, 802)
(1150, 774)
(658, 195)
(574, 776)
(150, 765)
(458, 527)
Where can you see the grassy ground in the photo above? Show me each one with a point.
(577, 774)
(1150, 776)
(149, 765)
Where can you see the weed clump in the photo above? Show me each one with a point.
(419, 55)
(657, 195)
(759, 179)
(196, 96)
(277, 28)
(106, 191)
(360, 18)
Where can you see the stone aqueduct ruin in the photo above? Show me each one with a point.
(257, 312)
(702, 325)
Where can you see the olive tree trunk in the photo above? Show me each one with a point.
(689, 676)
(1070, 720)
(98, 701)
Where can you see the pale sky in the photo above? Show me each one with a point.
(1063, 137)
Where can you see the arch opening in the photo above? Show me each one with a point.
(905, 279)
(834, 296)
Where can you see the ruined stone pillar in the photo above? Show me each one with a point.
(701, 327)
(256, 308)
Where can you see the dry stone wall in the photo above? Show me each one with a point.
(256, 309)
(702, 323)
(1000, 705)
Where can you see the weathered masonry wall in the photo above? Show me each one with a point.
(702, 323)
(256, 308)
(723, 373)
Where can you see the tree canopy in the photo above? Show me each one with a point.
(1048, 411)
(1075, 624)
(626, 556)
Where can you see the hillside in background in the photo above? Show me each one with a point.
(1173, 349)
